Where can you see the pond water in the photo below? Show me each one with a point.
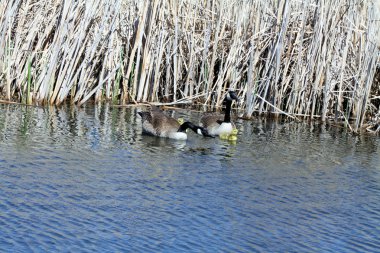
(86, 180)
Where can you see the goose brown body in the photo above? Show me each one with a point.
(156, 122)
(218, 124)
(211, 121)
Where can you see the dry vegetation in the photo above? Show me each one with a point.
(300, 58)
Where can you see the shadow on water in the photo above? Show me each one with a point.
(86, 177)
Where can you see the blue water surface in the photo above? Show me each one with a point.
(87, 180)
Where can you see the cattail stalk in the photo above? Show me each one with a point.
(314, 58)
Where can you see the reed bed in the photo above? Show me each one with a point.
(317, 59)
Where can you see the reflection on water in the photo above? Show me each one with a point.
(87, 180)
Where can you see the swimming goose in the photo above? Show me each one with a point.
(217, 124)
(157, 123)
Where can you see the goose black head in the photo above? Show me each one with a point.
(203, 131)
(231, 95)
(197, 129)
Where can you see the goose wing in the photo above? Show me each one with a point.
(211, 120)
(163, 123)
(157, 123)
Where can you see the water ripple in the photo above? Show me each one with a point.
(86, 180)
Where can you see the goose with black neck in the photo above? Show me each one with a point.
(218, 124)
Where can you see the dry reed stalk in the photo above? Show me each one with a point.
(316, 58)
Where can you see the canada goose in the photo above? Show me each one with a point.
(217, 124)
(157, 123)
